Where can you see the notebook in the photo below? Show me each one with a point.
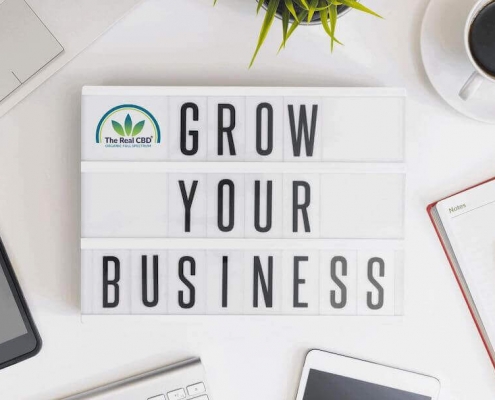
(229, 200)
(464, 223)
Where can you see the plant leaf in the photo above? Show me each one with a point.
(118, 128)
(128, 125)
(293, 26)
(359, 6)
(290, 6)
(305, 5)
(326, 26)
(312, 9)
(138, 128)
(260, 4)
(324, 15)
(321, 8)
(300, 4)
(285, 24)
(265, 27)
(317, 8)
(332, 13)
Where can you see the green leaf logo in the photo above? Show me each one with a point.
(128, 125)
(118, 128)
(128, 129)
(138, 128)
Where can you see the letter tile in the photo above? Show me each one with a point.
(226, 130)
(112, 282)
(338, 282)
(264, 205)
(262, 282)
(264, 128)
(376, 282)
(187, 205)
(225, 205)
(301, 205)
(225, 281)
(300, 282)
(149, 281)
(187, 282)
(302, 129)
(188, 128)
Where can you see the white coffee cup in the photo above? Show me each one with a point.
(479, 75)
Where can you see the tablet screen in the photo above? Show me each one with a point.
(327, 386)
(11, 322)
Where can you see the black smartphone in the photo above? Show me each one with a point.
(19, 338)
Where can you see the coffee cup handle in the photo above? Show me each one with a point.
(471, 86)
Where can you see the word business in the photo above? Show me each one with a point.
(237, 281)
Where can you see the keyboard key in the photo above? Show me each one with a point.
(196, 389)
(159, 397)
(204, 397)
(178, 394)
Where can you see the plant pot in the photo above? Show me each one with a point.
(341, 10)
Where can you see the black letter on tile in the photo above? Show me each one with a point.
(343, 289)
(298, 281)
(222, 129)
(225, 279)
(257, 206)
(267, 288)
(375, 283)
(269, 131)
(309, 135)
(183, 132)
(144, 281)
(187, 200)
(190, 286)
(111, 282)
(303, 207)
(230, 225)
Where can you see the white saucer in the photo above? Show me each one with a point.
(446, 61)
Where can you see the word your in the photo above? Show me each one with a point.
(241, 204)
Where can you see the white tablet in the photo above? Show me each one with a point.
(328, 376)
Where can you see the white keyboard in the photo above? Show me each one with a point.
(182, 381)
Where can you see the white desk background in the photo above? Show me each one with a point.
(187, 42)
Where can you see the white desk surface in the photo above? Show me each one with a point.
(188, 42)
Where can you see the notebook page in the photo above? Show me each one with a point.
(469, 219)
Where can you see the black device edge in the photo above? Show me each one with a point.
(24, 309)
(369, 362)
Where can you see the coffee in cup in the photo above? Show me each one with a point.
(479, 38)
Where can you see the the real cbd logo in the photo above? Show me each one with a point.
(128, 125)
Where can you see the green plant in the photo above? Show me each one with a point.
(301, 10)
(128, 129)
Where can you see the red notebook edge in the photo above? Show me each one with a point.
(457, 278)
